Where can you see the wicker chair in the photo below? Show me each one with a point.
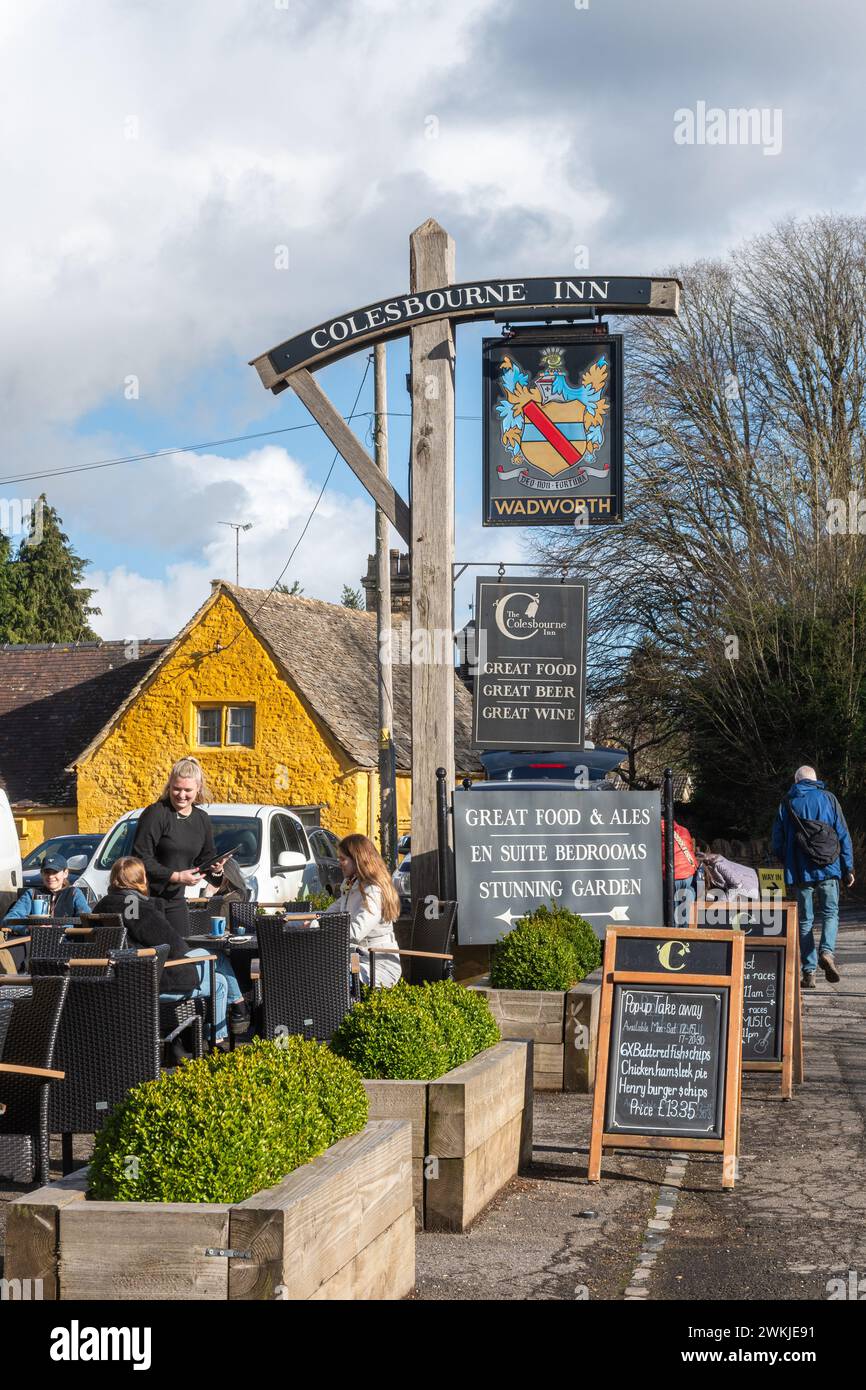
(108, 1041)
(31, 1030)
(428, 954)
(305, 975)
(47, 944)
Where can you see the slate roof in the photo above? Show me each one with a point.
(329, 653)
(54, 698)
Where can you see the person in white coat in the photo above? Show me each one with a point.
(373, 905)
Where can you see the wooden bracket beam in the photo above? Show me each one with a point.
(347, 443)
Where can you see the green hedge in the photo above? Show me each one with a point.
(415, 1032)
(550, 948)
(225, 1126)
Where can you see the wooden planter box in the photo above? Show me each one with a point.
(340, 1227)
(562, 1025)
(471, 1132)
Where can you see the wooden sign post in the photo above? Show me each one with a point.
(772, 1011)
(668, 1070)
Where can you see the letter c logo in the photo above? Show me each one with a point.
(664, 952)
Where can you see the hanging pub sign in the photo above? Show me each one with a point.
(668, 1066)
(553, 429)
(530, 677)
(597, 853)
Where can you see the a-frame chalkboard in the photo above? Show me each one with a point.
(668, 1070)
(772, 1012)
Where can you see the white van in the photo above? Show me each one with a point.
(274, 858)
(11, 875)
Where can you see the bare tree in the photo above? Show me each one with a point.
(744, 421)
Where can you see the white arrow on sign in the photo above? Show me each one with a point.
(507, 917)
(616, 914)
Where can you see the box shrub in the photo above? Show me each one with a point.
(587, 947)
(225, 1126)
(462, 1016)
(533, 957)
(415, 1032)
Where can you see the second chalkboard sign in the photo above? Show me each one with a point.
(772, 1031)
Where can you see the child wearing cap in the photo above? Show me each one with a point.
(63, 899)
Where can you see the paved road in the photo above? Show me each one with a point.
(794, 1221)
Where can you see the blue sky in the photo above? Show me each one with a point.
(163, 154)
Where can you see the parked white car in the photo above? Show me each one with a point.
(275, 857)
(11, 876)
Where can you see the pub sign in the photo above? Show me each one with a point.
(552, 429)
(530, 676)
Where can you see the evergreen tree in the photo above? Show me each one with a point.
(41, 598)
(351, 598)
(294, 591)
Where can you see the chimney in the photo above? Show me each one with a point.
(401, 584)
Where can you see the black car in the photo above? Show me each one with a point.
(67, 845)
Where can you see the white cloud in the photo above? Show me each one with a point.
(268, 488)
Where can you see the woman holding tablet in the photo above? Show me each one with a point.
(175, 838)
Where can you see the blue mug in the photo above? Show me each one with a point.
(217, 926)
(40, 906)
(240, 930)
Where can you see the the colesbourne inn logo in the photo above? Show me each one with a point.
(516, 616)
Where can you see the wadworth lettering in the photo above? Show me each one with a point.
(531, 636)
(597, 853)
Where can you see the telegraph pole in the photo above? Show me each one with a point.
(387, 758)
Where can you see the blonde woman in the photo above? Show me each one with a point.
(174, 836)
(369, 897)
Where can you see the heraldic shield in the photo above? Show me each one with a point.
(549, 422)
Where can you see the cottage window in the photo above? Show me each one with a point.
(209, 727)
(224, 726)
(239, 725)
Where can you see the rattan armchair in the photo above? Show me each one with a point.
(428, 955)
(33, 1010)
(306, 975)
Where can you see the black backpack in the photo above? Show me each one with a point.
(815, 840)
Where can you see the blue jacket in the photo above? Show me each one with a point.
(811, 802)
(69, 902)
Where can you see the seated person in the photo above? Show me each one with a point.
(371, 900)
(60, 898)
(147, 925)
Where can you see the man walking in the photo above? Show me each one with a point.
(811, 838)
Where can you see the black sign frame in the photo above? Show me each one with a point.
(671, 973)
(776, 929)
(598, 508)
(567, 646)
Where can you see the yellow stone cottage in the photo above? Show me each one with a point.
(275, 694)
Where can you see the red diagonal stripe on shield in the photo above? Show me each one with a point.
(554, 436)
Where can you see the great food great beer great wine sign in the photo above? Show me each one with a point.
(597, 853)
(530, 663)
